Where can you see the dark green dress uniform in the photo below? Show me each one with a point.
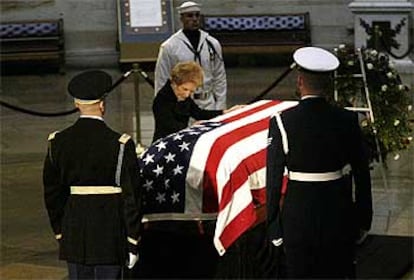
(315, 143)
(92, 193)
(92, 227)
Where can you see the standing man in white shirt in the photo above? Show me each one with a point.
(194, 44)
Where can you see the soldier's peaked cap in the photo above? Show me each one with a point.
(188, 7)
(315, 59)
(90, 86)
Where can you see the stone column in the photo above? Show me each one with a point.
(385, 25)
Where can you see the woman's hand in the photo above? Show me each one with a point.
(235, 107)
(198, 122)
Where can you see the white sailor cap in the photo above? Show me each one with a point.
(188, 7)
(315, 59)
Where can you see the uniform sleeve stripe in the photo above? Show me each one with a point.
(119, 164)
(282, 133)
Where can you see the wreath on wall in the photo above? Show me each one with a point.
(390, 100)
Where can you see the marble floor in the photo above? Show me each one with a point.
(28, 249)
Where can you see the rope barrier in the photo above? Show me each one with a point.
(35, 113)
(274, 84)
(149, 81)
(74, 110)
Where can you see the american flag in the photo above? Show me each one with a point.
(212, 170)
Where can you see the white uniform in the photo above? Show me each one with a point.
(178, 48)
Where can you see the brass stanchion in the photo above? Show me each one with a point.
(135, 67)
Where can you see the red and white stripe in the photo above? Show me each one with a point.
(228, 166)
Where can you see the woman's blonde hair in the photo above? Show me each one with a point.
(187, 71)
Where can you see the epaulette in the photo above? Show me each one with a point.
(52, 135)
(124, 138)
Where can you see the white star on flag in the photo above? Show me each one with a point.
(194, 133)
(169, 157)
(158, 171)
(160, 197)
(184, 146)
(178, 169)
(167, 183)
(148, 185)
(162, 145)
(175, 198)
(148, 159)
(178, 137)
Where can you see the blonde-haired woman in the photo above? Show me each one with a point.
(172, 107)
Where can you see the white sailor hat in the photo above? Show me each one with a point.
(188, 7)
(315, 59)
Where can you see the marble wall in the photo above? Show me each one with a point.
(91, 25)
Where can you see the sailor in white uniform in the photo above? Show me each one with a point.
(194, 44)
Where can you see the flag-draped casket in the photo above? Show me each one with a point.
(212, 170)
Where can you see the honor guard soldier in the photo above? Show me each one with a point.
(321, 149)
(194, 44)
(91, 187)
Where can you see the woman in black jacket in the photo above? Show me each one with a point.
(173, 105)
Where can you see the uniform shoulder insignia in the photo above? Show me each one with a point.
(124, 138)
(52, 135)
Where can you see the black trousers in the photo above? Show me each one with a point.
(251, 256)
(81, 271)
(176, 249)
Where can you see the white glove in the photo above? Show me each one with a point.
(277, 242)
(132, 260)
